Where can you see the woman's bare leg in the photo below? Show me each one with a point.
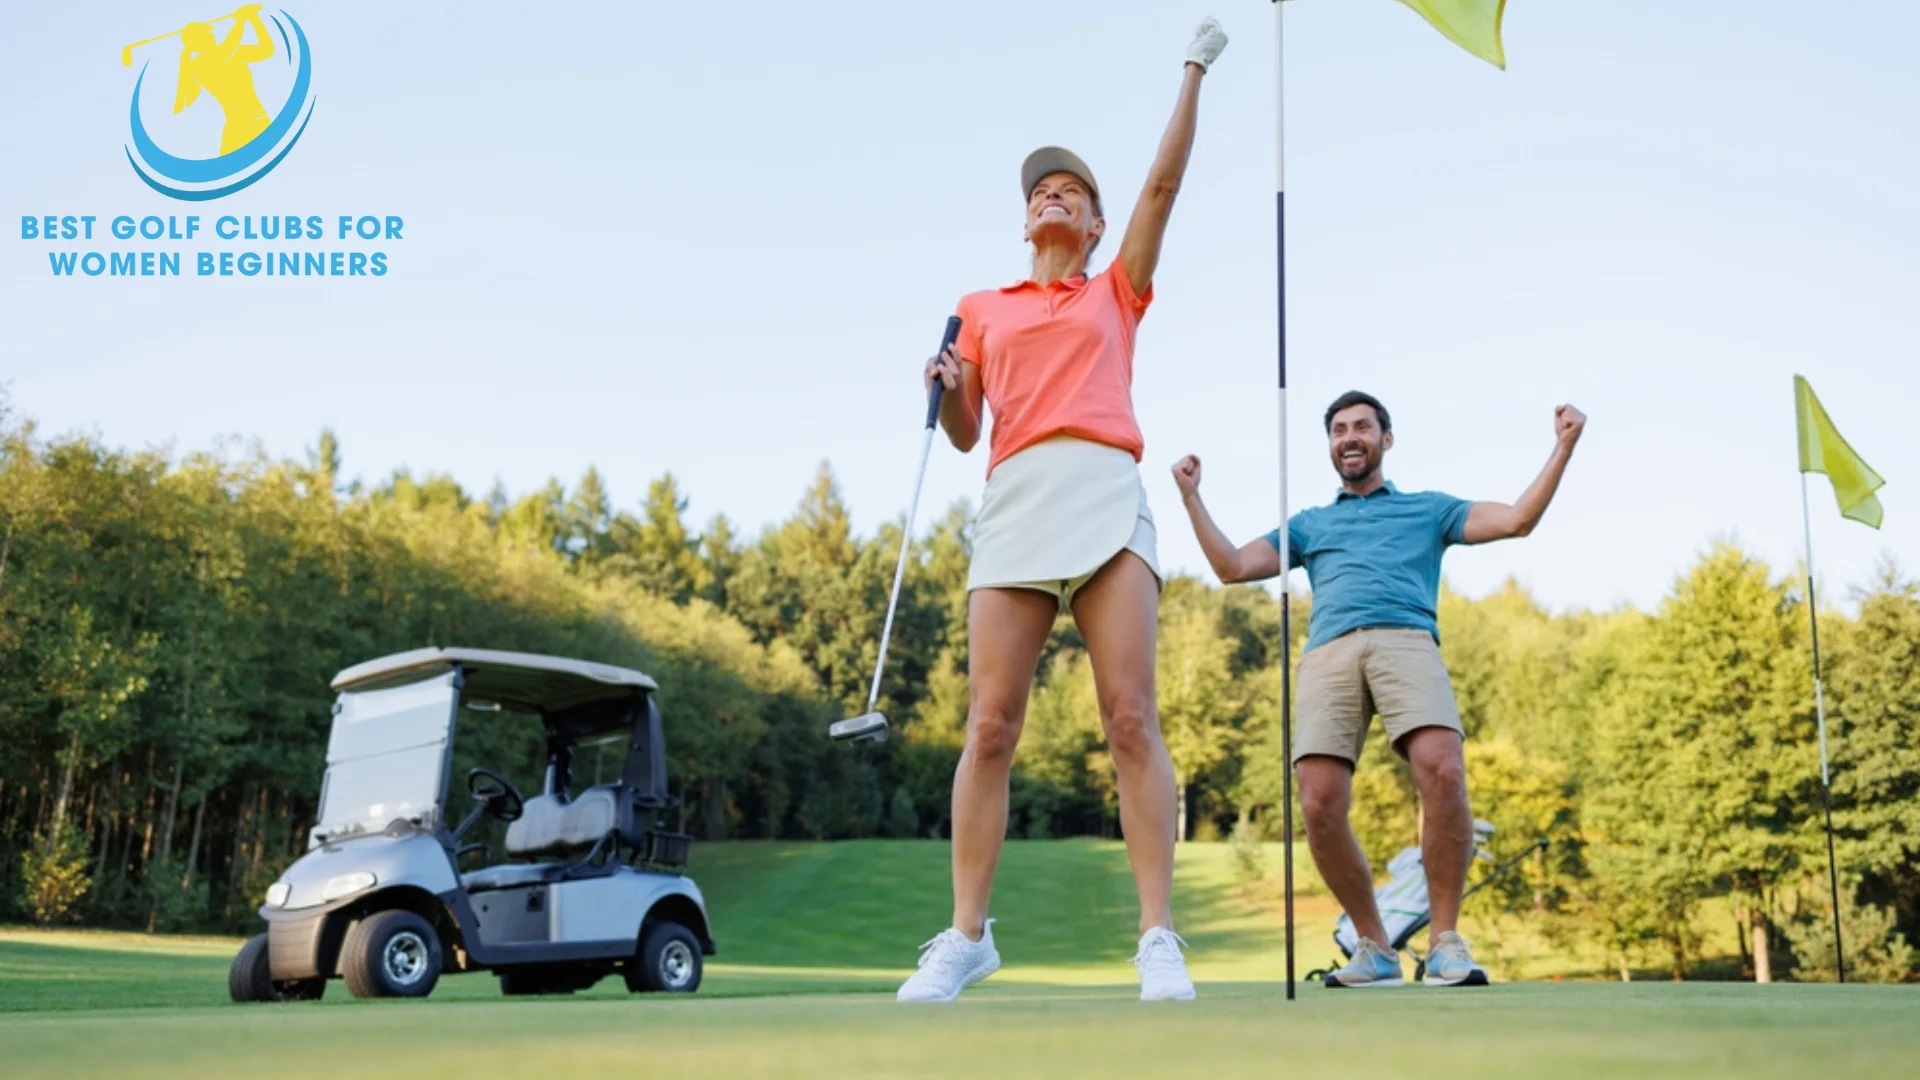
(1118, 615)
(1006, 629)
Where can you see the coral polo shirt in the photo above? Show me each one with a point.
(1056, 359)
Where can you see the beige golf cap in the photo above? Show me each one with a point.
(1048, 160)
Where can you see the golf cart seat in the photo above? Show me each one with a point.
(549, 827)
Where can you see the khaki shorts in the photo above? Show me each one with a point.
(1395, 672)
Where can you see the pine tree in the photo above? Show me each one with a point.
(587, 518)
(1873, 682)
(719, 560)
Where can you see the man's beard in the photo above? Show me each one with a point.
(1353, 472)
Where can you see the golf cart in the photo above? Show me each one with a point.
(594, 885)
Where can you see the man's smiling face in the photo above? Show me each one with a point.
(1356, 443)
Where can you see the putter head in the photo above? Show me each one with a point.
(126, 56)
(860, 728)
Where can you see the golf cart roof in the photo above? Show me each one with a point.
(526, 681)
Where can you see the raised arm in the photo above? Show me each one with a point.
(262, 47)
(235, 48)
(1255, 561)
(1140, 247)
(1487, 521)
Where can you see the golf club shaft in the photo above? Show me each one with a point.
(947, 338)
(1503, 868)
(900, 568)
(170, 33)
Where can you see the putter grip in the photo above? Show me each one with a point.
(933, 396)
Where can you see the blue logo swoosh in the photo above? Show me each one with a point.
(202, 195)
(205, 170)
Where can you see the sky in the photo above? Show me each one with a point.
(721, 241)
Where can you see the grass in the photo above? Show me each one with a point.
(814, 938)
(1064, 910)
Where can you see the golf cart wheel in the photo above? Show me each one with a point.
(250, 979)
(668, 961)
(391, 954)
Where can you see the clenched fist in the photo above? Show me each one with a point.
(1568, 423)
(945, 367)
(1208, 41)
(1186, 475)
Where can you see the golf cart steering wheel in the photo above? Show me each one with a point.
(502, 799)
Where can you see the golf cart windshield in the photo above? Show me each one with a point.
(387, 758)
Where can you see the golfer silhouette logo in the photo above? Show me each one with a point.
(215, 65)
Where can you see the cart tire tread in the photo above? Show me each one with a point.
(363, 956)
(248, 978)
(654, 970)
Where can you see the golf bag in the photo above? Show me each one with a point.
(1403, 902)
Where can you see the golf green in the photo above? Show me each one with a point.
(814, 938)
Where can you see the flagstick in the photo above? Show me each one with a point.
(1820, 711)
(1286, 606)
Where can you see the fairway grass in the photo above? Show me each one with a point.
(1235, 1030)
(814, 938)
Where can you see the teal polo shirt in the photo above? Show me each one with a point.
(1374, 561)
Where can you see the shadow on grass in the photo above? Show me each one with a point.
(62, 974)
(789, 918)
(871, 903)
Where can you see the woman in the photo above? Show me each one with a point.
(221, 69)
(1063, 526)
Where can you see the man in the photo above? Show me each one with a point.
(1373, 560)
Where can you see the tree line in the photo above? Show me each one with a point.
(168, 629)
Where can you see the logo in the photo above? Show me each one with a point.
(217, 136)
(217, 79)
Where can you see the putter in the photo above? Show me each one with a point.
(871, 725)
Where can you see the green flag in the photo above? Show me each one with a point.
(1474, 25)
(1822, 450)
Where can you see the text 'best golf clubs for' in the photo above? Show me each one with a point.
(871, 724)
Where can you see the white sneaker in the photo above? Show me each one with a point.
(1163, 970)
(949, 964)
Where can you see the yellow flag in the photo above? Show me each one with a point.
(1474, 25)
(1822, 450)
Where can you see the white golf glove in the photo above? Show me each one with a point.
(1208, 41)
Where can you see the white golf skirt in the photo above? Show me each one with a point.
(1057, 512)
